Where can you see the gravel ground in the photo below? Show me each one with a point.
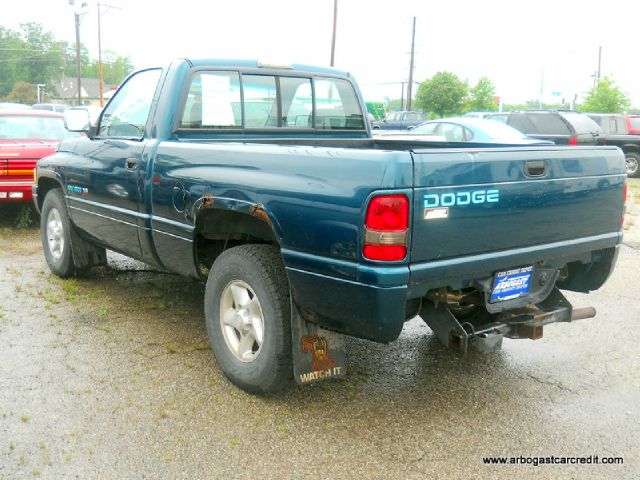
(111, 377)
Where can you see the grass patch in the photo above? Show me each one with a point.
(26, 217)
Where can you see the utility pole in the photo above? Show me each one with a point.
(76, 16)
(410, 84)
(333, 37)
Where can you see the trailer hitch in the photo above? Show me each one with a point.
(524, 322)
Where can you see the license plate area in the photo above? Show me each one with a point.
(511, 284)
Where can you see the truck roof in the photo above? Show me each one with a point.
(267, 65)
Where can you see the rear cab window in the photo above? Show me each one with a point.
(252, 101)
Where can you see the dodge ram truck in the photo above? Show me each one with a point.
(264, 182)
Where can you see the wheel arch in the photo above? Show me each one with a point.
(222, 225)
(45, 184)
(630, 148)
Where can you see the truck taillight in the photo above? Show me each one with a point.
(386, 228)
(573, 140)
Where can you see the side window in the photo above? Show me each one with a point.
(127, 113)
(428, 129)
(213, 101)
(337, 106)
(499, 118)
(452, 132)
(468, 134)
(297, 102)
(260, 101)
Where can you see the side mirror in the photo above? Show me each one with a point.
(77, 119)
(411, 127)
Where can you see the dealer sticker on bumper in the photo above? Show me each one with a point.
(511, 284)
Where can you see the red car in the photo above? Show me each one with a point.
(26, 136)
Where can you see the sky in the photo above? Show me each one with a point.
(545, 49)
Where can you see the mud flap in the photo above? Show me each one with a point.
(318, 354)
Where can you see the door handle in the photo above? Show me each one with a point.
(536, 168)
(131, 163)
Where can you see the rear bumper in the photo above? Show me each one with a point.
(458, 272)
(19, 191)
(372, 301)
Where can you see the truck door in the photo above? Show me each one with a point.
(103, 189)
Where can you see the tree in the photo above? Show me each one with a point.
(33, 55)
(443, 94)
(23, 92)
(606, 97)
(482, 96)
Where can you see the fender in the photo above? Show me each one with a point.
(234, 216)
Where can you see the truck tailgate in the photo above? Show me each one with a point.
(471, 202)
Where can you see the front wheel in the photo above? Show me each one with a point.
(55, 230)
(632, 164)
(65, 251)
(248, 317)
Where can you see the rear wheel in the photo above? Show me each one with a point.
(632, 164)
(248, 318)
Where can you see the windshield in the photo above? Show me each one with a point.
(32, 127)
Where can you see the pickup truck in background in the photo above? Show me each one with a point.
(265, 182)
(616, 132)
(402, 120)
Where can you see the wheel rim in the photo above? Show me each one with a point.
(631, 164)
(55, 234)
(241, 321)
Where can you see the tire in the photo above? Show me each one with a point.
(67, 253)
(632, 164)
(55, 230)
(248, 317)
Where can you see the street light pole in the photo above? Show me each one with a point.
(333, 37)
(100, 77)
(78, 73)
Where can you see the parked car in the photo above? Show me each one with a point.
(559, 126)
(616, 132)
(633, 124)
(54, 107)
(26, 135)
(472, 130)
(399, 120)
